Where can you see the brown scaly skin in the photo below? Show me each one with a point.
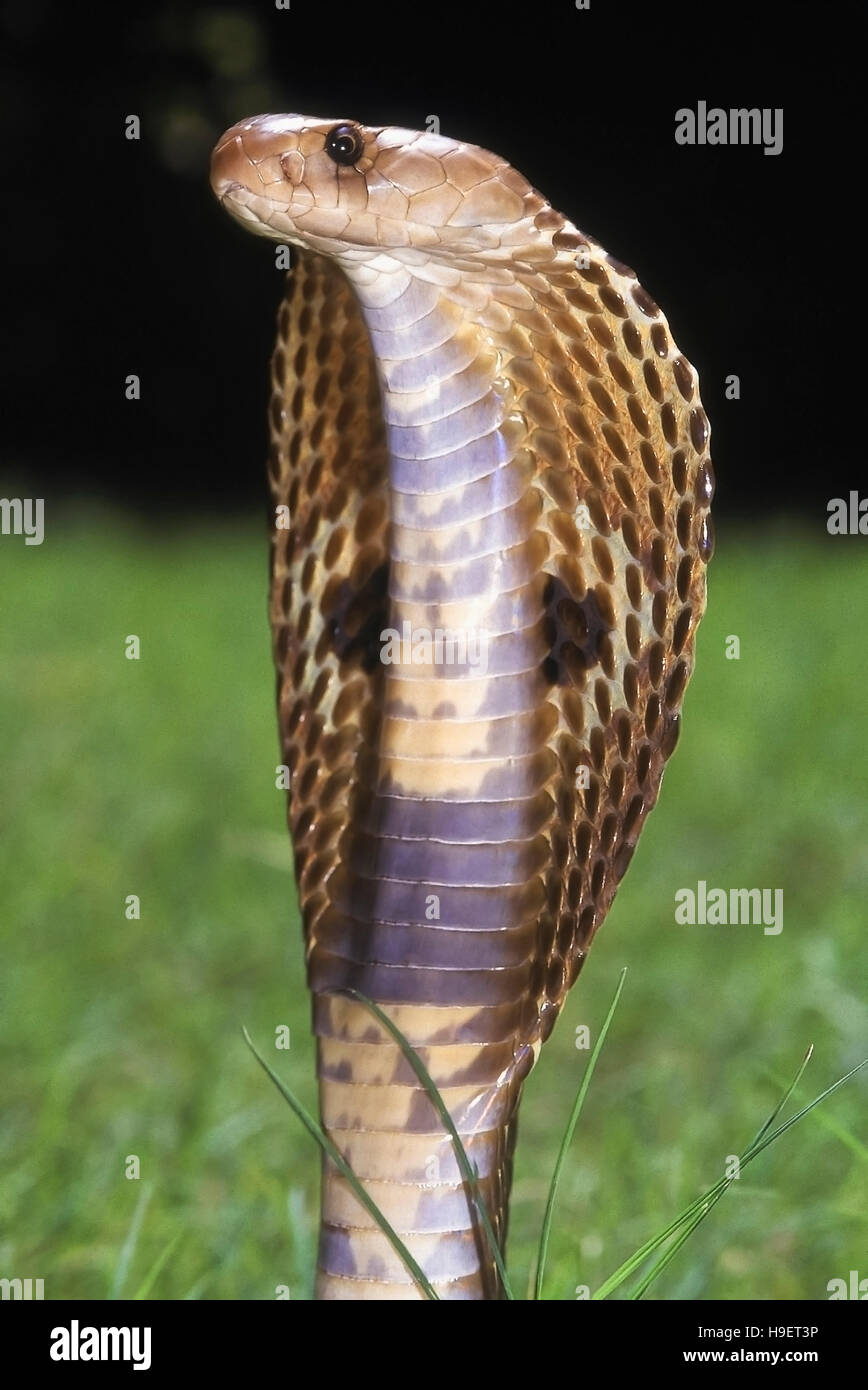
(479, 421)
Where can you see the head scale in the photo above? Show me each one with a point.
(350, 190)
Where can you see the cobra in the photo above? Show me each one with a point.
(480, 423)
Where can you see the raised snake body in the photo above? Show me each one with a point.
(480, 425)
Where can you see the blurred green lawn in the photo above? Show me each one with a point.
(156, 777)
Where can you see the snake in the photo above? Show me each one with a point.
(490, 472)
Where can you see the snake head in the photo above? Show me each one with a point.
(349, 190)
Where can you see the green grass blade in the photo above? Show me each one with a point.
(302, 1233)
(672, 1250)
(833, 1125)
(784, 1098)
(341, 1164)
(699, 1209)
(568, 1137)
(640, 1256)
(757, 1148)
(719, 1190)
(468, 1172)
(154, 1272)
(128, 1249)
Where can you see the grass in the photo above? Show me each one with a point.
(122, 1037)
(669, 1241)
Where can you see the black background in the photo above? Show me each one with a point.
(118, 259)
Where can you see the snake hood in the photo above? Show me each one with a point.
(342, 188)
(480, 428)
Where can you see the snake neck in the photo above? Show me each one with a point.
(433, 912)
(457, 477)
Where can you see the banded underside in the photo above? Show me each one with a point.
(517, 451)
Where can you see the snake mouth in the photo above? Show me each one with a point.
(234, 193)
(229, 191)
(241, 204)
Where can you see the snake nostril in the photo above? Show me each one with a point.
(292, 164)
(227, 188)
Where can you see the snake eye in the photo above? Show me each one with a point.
(344, 144)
